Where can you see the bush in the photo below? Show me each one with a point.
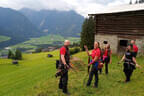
(18, 55)
(74, 50)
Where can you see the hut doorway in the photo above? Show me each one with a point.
(122, 44)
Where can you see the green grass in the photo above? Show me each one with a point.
(4, 38)
(35, 77)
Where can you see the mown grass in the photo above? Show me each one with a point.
(35, 77)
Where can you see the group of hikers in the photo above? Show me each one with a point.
(99, 57)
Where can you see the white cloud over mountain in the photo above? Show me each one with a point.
(82, 7)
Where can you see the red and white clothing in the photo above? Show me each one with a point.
(135, 48)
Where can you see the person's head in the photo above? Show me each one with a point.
(129, 48)
(132, 41)
(108, 46)
(96, 45)
(66, 43)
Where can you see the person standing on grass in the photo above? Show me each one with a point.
(107, 57)
(135, 48)
(64, 61)
(129, 62)
(96, 53)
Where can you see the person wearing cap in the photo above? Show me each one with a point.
(135, 48)
(95, 54)
(64, 62)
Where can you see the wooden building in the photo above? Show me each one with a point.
(120, 25)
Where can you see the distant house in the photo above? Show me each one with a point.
(49, 49)
(119, 25)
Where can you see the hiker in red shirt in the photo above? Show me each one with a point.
(95, 54)
(135, 48)
(64, 63)
(107, 57)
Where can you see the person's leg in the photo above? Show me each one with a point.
(60, 83)
(65, 82)
(100, 70)
(96, 78)
(106, 64)
(106, 68)
(90, 77)
(130, 74)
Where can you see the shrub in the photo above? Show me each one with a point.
(74, 50)
(18, 55)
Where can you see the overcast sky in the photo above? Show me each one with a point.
(82, 7)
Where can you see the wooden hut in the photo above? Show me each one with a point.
(119, 25)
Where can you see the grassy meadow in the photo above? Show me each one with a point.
(34, 76)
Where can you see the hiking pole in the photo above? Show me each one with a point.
(84, 80)
(88, 63)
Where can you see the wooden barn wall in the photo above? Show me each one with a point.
(130, 23)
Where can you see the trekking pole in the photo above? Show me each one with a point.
(84, 80)
(88, 63)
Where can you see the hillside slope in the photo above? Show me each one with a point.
(17, 26)
(35, 77)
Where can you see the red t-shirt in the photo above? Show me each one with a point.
(135, 48)
(62, 50)
(95, 52)
(106, 52)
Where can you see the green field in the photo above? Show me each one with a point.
(51, 40)
(35, 77)
(4, 38)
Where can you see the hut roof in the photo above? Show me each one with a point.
(121, 9)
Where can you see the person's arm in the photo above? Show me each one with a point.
(94, 60)
(110, 57)
(134, 60)
(87, 50)
(63, 59)
(122, 59)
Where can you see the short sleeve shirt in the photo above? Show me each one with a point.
(135, 48)
(62, 51)
(95, 52)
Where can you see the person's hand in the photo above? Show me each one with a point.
(66, 66)
(110, 62)
(138, 66)
(86, 48)
(89, 65)
(101, 64)
(119, 62)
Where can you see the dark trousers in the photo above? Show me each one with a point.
(94, 71)
(107, 60)
(63, 82)
(128, 74)
(135, 54)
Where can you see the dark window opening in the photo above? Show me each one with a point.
(105, 42)
(123, 43)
